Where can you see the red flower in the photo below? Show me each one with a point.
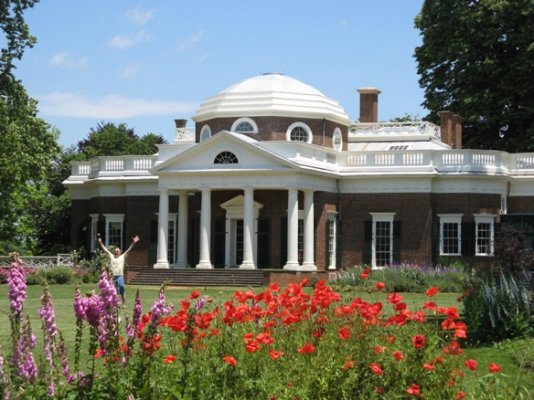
(430, 305)
(380, 285)
(275, 355)
(252, 346)
(394, 298)
(230, 360)
(379, 349)
(398, 355)
(460, 396)
(376, 368)
(349, 364)
(344, 333)
(432, 291)
(365, 273)
(494, 368)
(471, 364)
(194, 294)
(169, 359)
(419, 341)
(429, 367)
(414, 390)
(453, 348)
(307, 348)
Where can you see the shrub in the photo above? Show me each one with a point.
(512, 252)
(498, 308)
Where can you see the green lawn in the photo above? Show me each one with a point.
(510, 354)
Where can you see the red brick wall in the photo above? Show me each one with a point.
(520, 204)
(275, 128)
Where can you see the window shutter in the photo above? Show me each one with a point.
(367, 242)
(101, 228)
(283, 241)
(468, 239)
(396, 242)
(435, 239)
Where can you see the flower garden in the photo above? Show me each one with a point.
(298, 342)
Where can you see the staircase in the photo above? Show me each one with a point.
(197, 277)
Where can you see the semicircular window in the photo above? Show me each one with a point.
(244, 127)
(225, 157)
(299, 134)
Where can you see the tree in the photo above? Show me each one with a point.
(477, 59)
(108, 139)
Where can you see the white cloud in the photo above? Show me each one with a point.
(129, 72)
(124, 41)
(64, 59)
(191, 41)
(139, 16)
(67, 104)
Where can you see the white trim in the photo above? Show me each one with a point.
(450, 219)
(205, 133)
(114, 218)
(337, 133)
(299, 125)
(485, 219)
(244, 119)
(94, 231)
(331, 244)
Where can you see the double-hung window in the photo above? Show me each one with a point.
(450, 234)
(484, 234)
(382, 244)
(114, 229)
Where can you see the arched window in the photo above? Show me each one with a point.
(337, 140)
(244, 125)
(226, 157)
(300, 132)
(205, 133)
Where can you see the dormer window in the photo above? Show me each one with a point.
(226, 157)
(299, 132)
(337, 140)
(244, 125)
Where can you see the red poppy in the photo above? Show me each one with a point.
(194, 294)
(398, 355)
(394, 298)
(460, 396)
(376, 368)
(419, 341)
(430, 305)
(380, 285)
(230, 360)
(365, 273)
(494, 368)
(471, 364)
(349, 364)
(307, 348)
(169, 359)
(432, 291)
(453, 348)
(414, 390)
(344, 333)
(429, 367)
(252, 346)
(379, 349)
(275, 355)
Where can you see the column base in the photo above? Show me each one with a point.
(181, 265)
(247, 265)
(294, 266)
(204, 265)
(162, 265)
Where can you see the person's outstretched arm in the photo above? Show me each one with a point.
(135, 239)
(104, 248)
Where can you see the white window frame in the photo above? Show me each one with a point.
(485, 219)
(245, 119)
(450, 219)
(332, 240)
(337, 134)
(115, 218)
(299, 125)
(381, 217)
(205, 133)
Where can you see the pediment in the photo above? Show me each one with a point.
(249, 156)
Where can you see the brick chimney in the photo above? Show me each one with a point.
(451, 129)
(180, 123)
(369, 104)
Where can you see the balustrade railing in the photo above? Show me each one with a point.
(113, 165)
(65, 260)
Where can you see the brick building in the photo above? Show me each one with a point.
(275, 175)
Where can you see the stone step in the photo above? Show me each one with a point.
(194, 277)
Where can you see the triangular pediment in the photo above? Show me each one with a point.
(249, 156)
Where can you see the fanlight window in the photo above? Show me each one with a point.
(299, 132)
(244, 125)
(225, 157)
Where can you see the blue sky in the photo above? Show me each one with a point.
(146, 63)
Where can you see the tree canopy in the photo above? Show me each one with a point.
(477, 60)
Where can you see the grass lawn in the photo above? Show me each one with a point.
(510, 355)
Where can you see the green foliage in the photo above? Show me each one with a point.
(512, 252)
(497, 308)
(476, 59)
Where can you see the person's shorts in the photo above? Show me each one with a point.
(119, 284)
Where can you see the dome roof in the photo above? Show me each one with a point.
(271, 95)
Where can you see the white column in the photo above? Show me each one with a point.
(308, 264)
(94, 232)
(292, 230)
(183, 215)
(163, 228)
(205, 230)
(248, 230)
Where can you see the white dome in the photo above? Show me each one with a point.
(271, 95)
